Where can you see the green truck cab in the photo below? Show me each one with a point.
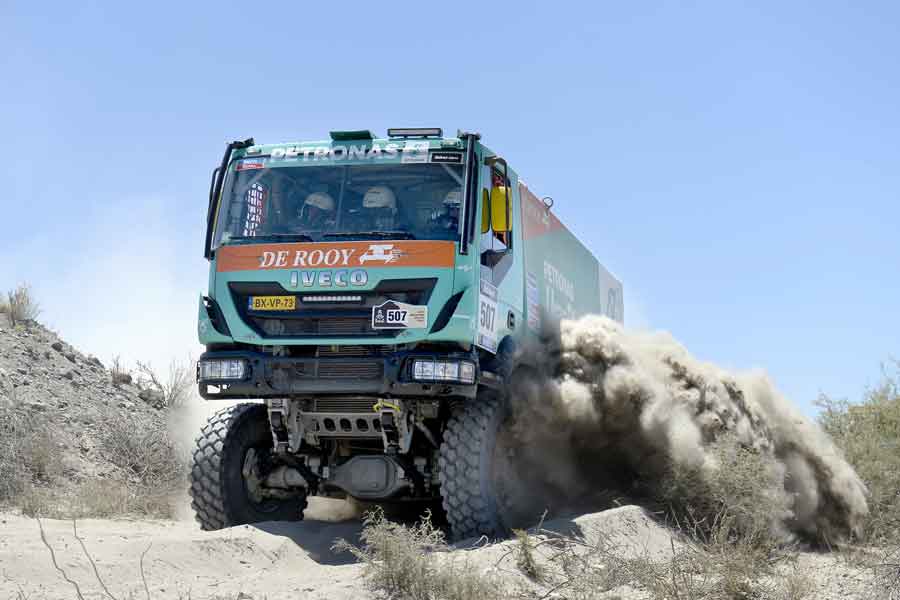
(377, 295)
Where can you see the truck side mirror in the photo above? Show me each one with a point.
(499, 208)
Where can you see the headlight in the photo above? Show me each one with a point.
(427, 369)
(222, 368)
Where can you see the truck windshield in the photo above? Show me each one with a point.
(347, 202)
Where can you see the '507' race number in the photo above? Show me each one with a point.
(399, 315)
(487, 317)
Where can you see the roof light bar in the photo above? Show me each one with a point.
(416, 132)
(345, 136)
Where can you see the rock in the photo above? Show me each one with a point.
(35, 405)
(22, 371)
(46, 354)
(70, 374)
(57, 345)
(70, 356)
(93, 360)
(154, 398)
(121, 379)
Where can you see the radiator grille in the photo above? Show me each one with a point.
(343, 405)
(283, 371)
(367, 369)
(330, 326)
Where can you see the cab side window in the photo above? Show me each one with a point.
(496, 212)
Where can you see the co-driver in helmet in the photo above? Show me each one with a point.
(446, 218)
(379, 209)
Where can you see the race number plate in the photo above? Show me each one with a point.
(398, 315)
(273, 302)
(487, 317)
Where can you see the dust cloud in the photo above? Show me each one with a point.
(614, 413)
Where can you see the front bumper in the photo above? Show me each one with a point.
(387, 375)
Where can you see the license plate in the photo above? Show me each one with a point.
(273, 302)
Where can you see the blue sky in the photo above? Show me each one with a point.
(735, 164)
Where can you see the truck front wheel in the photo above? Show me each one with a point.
(232, 454)
(472, 468)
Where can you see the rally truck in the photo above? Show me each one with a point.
(373, 298)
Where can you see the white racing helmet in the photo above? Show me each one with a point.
(380, 197)
(453, 199)
(320, 200)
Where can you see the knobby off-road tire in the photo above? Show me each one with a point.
(218, 490)
(466, 462)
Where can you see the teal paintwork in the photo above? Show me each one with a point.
(242, 333)
(205, 330)
(559, 248)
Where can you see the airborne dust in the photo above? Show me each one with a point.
(620, 415)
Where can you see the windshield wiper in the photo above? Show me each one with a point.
(381, 235)
(289, 237)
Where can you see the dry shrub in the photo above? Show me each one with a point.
(145, 450)
(28, 454)
(869, 435)
(403, 562)
(726, 541)
(175, 389)
(98, 498)
(119, 373)
(796, 584)
(14, 477)
(153, 468)
(525, 556)
(571, 567)
(734, 498)
(722, 567)
(20, 306)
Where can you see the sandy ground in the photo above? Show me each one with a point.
(295, 560)
(270, 560)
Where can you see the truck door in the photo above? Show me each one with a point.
(500, 299)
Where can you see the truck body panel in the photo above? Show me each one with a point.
(373, 292)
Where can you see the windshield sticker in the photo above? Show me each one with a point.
(415, 152)
(324, 255)
(399, 315)
(246, 165)
(447, 157)
(256, 209)
(384, 253)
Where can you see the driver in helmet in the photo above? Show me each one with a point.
(317, 213)
(379, 209)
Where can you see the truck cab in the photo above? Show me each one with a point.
(367, 293)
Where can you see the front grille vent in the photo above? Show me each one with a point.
(369, 369)
(343, 405)
(283, 371)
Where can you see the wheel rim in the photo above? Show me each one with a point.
(253, 473)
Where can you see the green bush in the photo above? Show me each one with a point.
(20, 306)
(869, 435)
(410, 563)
